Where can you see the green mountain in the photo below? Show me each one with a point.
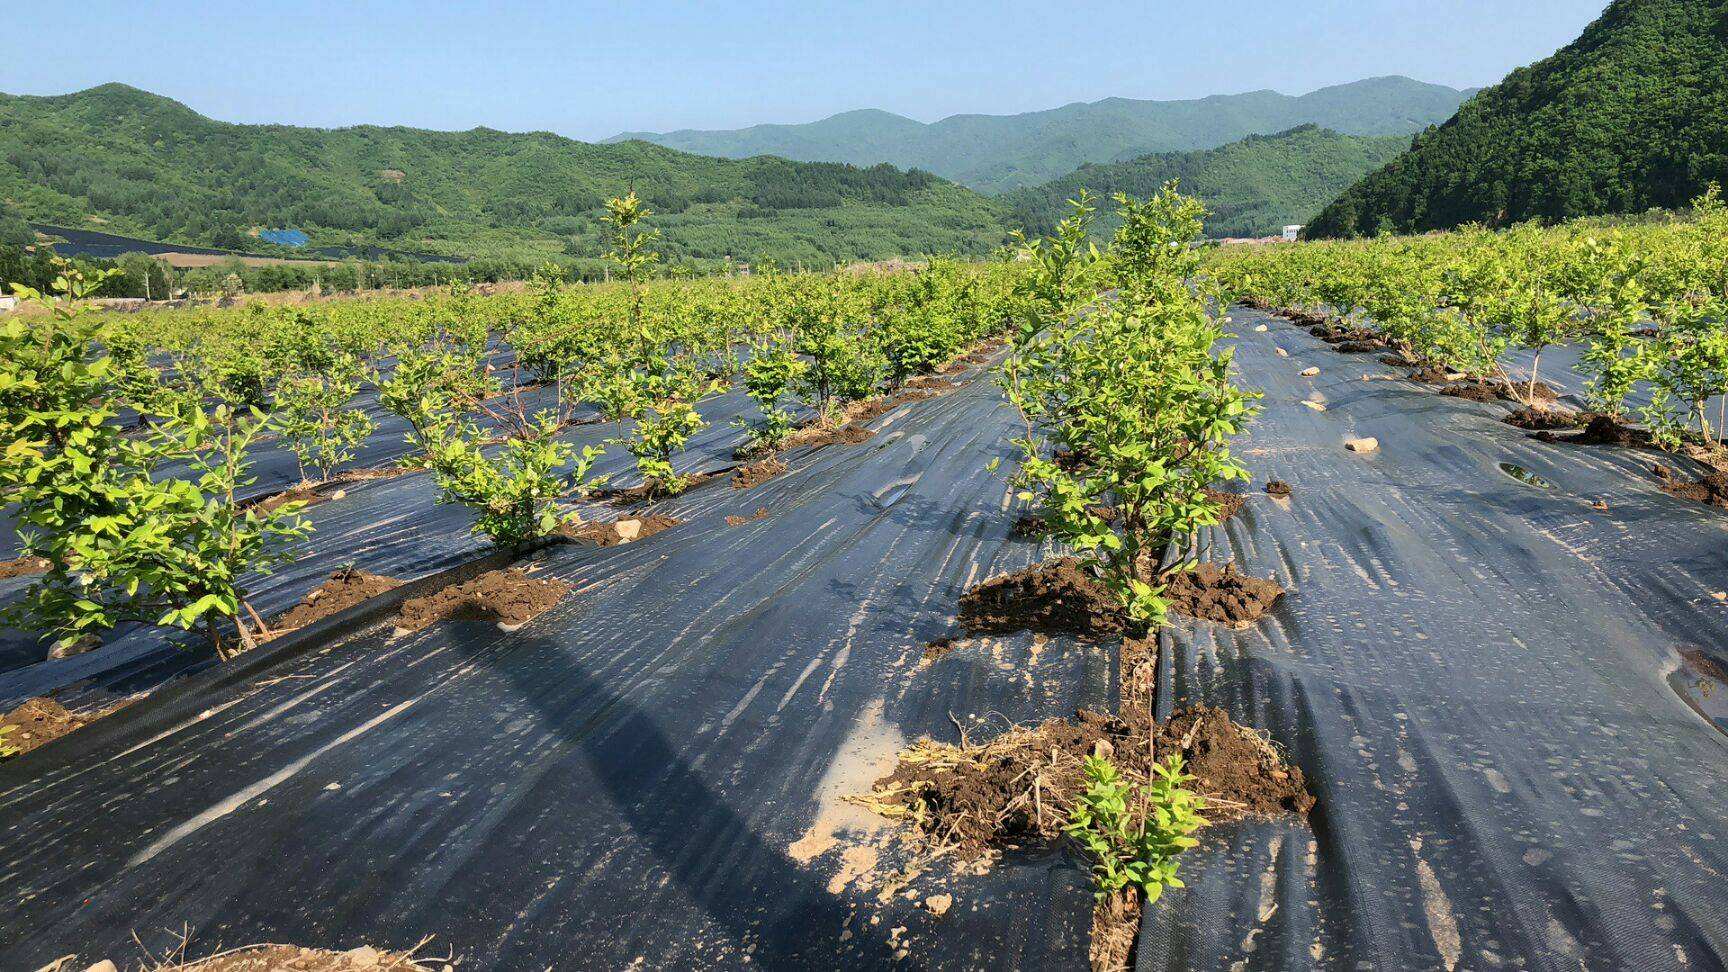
(996, 153)
(125, 161)
(1632, 115)
(1254, 187)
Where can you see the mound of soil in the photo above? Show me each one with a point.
(41, 721)
(758, 472)
(1055, 596)
(1711, 490)
(1278, 488)
(735, 520)
(1020, 786)
(617, 532)
(507, 597)
(929, 383)
(1359, 347)
(1602, 430)
(345, 588)
(877, 407)
(1229, 504)
(1472, 391)
(22, 567)
(1429, 375)
(1220, 593)
(1397, 361)
(1543, 419)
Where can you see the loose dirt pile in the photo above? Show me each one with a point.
(41, 721)
(1212, 592)
(22, 567)
(507, 597)
(1711, 490)
(308, 495)
(643, 493)
(737, 521)
(1471, 391)
(1278, 488)
(1020, 787)
(1602, 430)
(611, 534)
(758, 472)
(1055, 596)
(1229, 504)
(345, 588)
(1539, 419)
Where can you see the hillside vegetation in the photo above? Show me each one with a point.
(145, 165)
(1251, 188)
(1631, 116)
(996, 153)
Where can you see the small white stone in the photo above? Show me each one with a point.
(103, 966)
(1316, 406)
(1283, 353)
(1261, 327)
(938, 904)
(627, 530)
(1310, 372)
(364, 957)
(1365, 444)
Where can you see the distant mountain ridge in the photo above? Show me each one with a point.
(1633, 115)
(139, 164)
(1253, 187)
(997, 153)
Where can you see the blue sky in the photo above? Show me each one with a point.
(591, 69)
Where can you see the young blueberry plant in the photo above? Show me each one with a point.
(123, 544)
(316, 414)
(769, 377)
(1134, 834)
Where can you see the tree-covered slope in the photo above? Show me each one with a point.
(1253, 187)
(996, 153)
(147, 166)
(1632, 115)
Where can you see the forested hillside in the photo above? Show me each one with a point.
(997, 153)
(1251, 188)
(144, 165)
(1633, 115)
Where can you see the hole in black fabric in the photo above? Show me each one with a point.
(1525, 476)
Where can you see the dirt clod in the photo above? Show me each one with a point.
(1711, 490)
(1223, 594)
(1229, 504)
(1472, 391)
(758, 472)
(507, 597)
(345, 588)
(22, 567)
(626, 530)
(41, 721)
(1054, 596)
(1278, 488)
(736, 520)
(1536, 418)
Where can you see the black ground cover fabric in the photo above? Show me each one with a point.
(1485, 683)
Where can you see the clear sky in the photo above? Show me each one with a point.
(589, 69)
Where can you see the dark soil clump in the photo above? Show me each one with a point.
(1278, 488)
(1539, 419)
(758, 472)
(1430, 375)
(1711, 490)
(506, 597)
(345, 588)
(1029, 526)
(41, 721)
(1359, 347)
(1471, 391)
(1055, 596)
(737, 521)
(1602, 430)
(1229, 504)
(23, 567)
(1212, 592)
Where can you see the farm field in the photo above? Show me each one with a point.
(1152, 607)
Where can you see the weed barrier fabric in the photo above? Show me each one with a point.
(1481, 679)
(623, 780)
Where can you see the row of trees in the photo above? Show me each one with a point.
(1648, 301)
(129, 436)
